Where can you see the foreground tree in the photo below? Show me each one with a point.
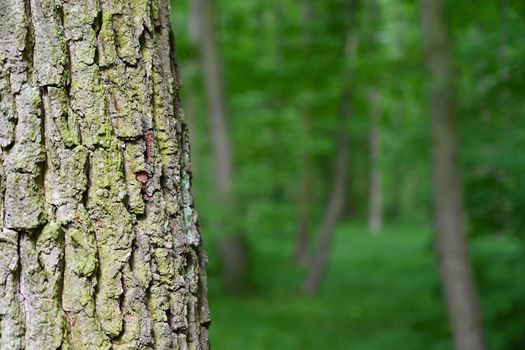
(456, 272)
(99, 246)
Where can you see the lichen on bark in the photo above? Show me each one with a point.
(99, 243)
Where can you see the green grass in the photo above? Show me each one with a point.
(379, 293)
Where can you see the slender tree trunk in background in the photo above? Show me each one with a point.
(334, 209)
(190, 72)
(302, 254)
(99, 246)
(504, 48)
(456, 272)
(215, 97)
(375, 191)
(308, 21)
(396, 174)
(375, 186)
(340, 181)
(232, 247)
(280, 33)
(335, 204)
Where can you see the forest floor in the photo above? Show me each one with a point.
(380, 293)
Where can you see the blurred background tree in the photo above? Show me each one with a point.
(284, 77)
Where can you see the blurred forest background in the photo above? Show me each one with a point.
(312, 141)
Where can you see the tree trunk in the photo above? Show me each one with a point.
(231, 247)
(340, 182)
(304, 205)
(333, 210)
(375, 190)
(215, 98)
(99, 246)
(302, 255)
(456, 273)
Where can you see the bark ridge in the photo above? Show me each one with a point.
(99, 242)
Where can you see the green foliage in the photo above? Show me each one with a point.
(490, 57)
(285, 73)
(499, 267)
(284, 78)
(381, 292)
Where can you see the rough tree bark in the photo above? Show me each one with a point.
(456, 272)
(232, 247)
(339, 185)
(99, 245)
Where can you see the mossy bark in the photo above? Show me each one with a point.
(99, 243)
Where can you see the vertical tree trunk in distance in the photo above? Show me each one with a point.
(456, 273)
(394, 208)
(302, 255)
(231, 245)
(336, 201)
(375, 190)
(334, 208)
(99, 246)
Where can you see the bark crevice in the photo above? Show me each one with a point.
(96, 152)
